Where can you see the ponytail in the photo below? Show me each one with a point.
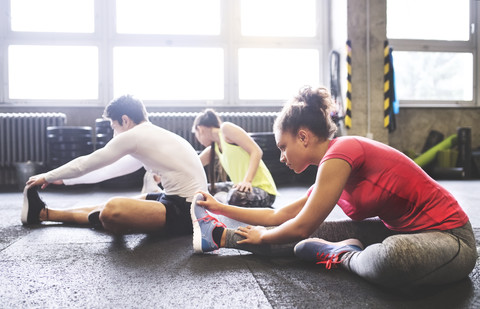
(209, 119)
(211, 168)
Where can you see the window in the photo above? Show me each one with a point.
(269, 72)
(169, 73)
(429, 19)
(439, 76)
(169, 17)
(288, 18)
(165, 52)
(434, 52)
(52, 15)
(53, 72)
(276, 73)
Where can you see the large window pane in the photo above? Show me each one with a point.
(53, 72)
(52, 15)
(286, 18)
(200, 17)
(163, 73)
(433, 76)
(428, 19)
(271, 74)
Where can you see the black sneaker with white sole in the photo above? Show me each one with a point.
(32, 206)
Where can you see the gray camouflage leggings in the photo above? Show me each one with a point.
(390, 258)
(256, 198)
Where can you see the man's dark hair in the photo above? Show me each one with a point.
(126, 105)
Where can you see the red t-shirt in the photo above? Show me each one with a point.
(386, 183)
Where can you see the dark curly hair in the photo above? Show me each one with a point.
(311, 109)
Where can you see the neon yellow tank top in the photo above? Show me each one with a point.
(235, 161)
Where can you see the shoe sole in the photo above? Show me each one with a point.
(24, 215)
(346, 242)
(197, 232)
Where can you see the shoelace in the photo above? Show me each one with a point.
(209, 218)
(329, 259)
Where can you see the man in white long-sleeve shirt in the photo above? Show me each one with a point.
(137, 142)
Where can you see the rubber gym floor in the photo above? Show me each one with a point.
(65, 266)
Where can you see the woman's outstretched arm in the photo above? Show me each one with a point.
(254, 216)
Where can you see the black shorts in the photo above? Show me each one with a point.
(178, 219)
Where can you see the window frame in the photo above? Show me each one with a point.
(105, 38)
(470, 46)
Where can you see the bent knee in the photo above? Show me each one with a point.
(111, 210)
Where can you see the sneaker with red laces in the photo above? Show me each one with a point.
(203, 226)
(323, 252)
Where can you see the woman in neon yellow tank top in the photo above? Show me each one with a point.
(251, 184)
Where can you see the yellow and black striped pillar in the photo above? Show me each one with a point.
(388, 89)
(387, 105)
(348, 113)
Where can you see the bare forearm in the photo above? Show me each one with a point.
(253, 216)
(285, 233)
(252, 167)
(264, 216)
(299, 226)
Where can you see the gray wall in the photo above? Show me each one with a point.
(416, 123)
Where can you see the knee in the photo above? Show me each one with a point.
(111, 210)
(380, 265)
(236, 197)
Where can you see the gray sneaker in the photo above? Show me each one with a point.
(203, 226)
(323, 252)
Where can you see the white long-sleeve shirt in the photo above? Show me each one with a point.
(123, 166)
(158, 150)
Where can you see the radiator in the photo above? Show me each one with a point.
(181, 123)
(23, 138)
(23, 135)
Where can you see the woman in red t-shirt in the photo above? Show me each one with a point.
(406, 230)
